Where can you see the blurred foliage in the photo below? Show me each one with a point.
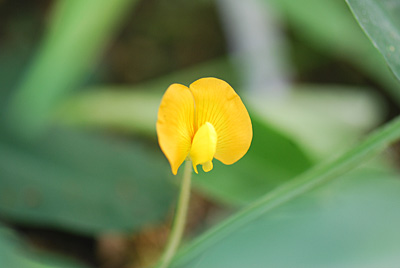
(77, 34)
(14, 253)
(324, 119)
(80, 82)
(163, 36)
(327, 26)
(83, 182)
(19, 33)
(132, 109)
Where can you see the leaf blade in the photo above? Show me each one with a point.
(380, 21)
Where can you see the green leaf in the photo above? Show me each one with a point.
(13, 253)
(85, 183)
(381, 22)
(78, 33)
(351, 222)
(293, 189)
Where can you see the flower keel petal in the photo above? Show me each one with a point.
(203, 147)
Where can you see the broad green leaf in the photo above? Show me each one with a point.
(78, 33)
(83, 182)
(381, 22)
(351, 222)
(14, 253)
(297, 188)
(328, 26)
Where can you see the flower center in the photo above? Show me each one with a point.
(203, 148)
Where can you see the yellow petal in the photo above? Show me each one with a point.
(207, 166)
(217, 103)
(203, 147)
(175, 124)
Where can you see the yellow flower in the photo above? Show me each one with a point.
(205, 121)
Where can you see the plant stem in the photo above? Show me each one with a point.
(179, 219)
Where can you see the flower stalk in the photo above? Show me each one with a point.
(179, 222)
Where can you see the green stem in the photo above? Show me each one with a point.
(179, 220)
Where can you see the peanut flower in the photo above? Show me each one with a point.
(205, 121)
